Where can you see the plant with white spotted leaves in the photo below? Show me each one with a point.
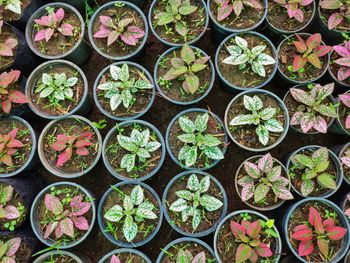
(185, 256)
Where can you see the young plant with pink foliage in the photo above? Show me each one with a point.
(7, 212)
(8, 147)
(6, 48)
(344, 61)
(340, 12)
(317, 235)
(294, 8)
(309, 51)
(314, 108)
(115, 259)
(9, 249)
(185, 255)
(347, 211)
(345, 100)
(226, 7)
(65, 144)
(49, 25)
(114, 29)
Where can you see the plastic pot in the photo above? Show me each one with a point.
(341, 84)
(333, 158)
(78, 4)
(54, 170)
(95, 17)
(267, 208)
(184, 240)
(103, 226)
(337, 127)
(343, 202)
(123, 251)
(82, 108)
(294, 81)
(281, 104)
(36, 225)
(229, 216)
(231, 87)
(341, 153)
(32, 157)
(77, 54)
(26, 13)
(183, 103)
(171, 44)
(113, 131)
(347, 258)
(344, 221)
(172, 122)
(105, 71)
(167, 214)
(77, 258)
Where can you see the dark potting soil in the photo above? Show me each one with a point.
(44, 216)
(247, 19)
(270, 199)
(296, 175)
(213, 128)
(77, 162)
(326, 13)
(193, 247)
(195, 23)
(8, 15)
(145, 228)
(6, 32)
(209, 218)
(142, 97)
(127, 257)
(227, 246)
(65, 106)
(335, 67)
(175, 90)
(118, 48)
(245, 78)
(24, 253)
(346, 170)
(245, 134)
(278, 17)
(59, 259)
(22, 154)
(286, 56)
(115, 154)
(300, 215)
(59, 44)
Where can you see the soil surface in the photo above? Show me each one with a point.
(59, 259)
(8, 15)
(334, 67)
(6, 33)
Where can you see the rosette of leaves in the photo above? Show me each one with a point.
(345, 100)
(113, 29)
(344, 61)
(226, 7)
(262, 177)
(294, 8)
(309, 51)
(242, 56)
(264, 119)
(8, 212)
(194, 202)
(7, 47)
(347, 211)
(185, 68)
(185, 256)
(139, 145)
(317, 235)
(175, 12)
(9, 146)
(314, 109)
(314, 170)
(56, 88)
(196, 141)
(65, 215)
(122, 88)
(340, 12)
(134, 211)
(9, 249)
(51, 25)
(12, 5)
(9, 92)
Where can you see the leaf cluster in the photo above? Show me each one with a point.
(9, 146)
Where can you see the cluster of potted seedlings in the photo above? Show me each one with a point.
(194, 202)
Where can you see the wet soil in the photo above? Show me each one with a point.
(8, 15)
(6, 33)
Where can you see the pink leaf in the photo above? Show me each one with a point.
(265, 163)
(53, 204)
(66, 29)
(59, 15)
(321, 51)
(237, 229)
(306, 248)
(11, 43)
(306, 123)
(299, 15)
(67, 227)
(14, 144)
(345, 99)
(237, 7)
(300, 45)
(296, 118)
(115, 259)
(334, 20)
(49, 229)
(199, 258)
(343, 62)
(102, 33)
(314, 41)
(263, 250)
(224, 11)
(252, 170)
(112, 37)
(314, 215)
(64, 157)
(347, 212)
(320, 124)
(43, 21)
(40, 35)
(346, 161)
(136, 32)
(12, 246)
(80, 223)
(18, 97)
(247, 192)
(11, 212)
(58, 231)
(336, 232)
(342, 51)
(106, 21)
(343, 73)
(58, 146)
(129, 39)
(82, 143)
(253, 3)
(347, 122)
(5, 51)
(81, 208)
(306, 2)
(83, 151)
(48, 34)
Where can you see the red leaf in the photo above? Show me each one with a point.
(253, 257)
(318, 226)
(64, 157)
(306, 248)
(6, 159)
(82, 151)
(323, 246)
(18, 97)
(322, 50)
(336, 232)
(13, 133)
(300, 45)
(82, 143)
(328, 223)
(6, 106)
(14, 144)
(237, 229)
(303, 235)
(243, 253)
(58, 145)
(86, 135)
(300, 228)
(254, 230)
(314, 215)
(314, 41)
(298, 62)
(314, 60)
(263, 250)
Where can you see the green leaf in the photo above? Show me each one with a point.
(214, 153)
(304, 160)
(193, 182)
(140, 138)
(126, 98)
(187, 54)
(210, 203)
(165, 19)
(184, 256)
(273, 125)
(145, 213)
(322, 166)
(46, 92)
(3, 249)
(263, 134)
(204, 184)
(192, 83)
(210, 140)
(187, 9)
(124, 73)
(267, 113)
(264, 59)
(326, 110)
(127, 203)
(58, 94)
(137, 195)
(196, 219)
(187, 138)
(60, 79)
(274, 174)
(186, 124)
(257, 50)
(143, 153)
(186, 213)
(252, 103)
(46, 79)
(71, 82)
(129, 229)
(115, 101)
(260, 192)
(242, 43)
(201, 122)
(239, 60)
(142, 84)
(188, 154)
(68, 92)
(307, 187)
(152, 146)
(181, 28)
(185, 194)
(234, 51)
(114, 214)
(326, 181)
(198, 67)
(115, 72)
(321, 155)
(258, 69)
(179, 205)
(243, 120)
(128, 162)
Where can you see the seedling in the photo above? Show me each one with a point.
(294, 8)
(345, 100)
(9, 249)
(226, 7)
(340, 12)
(347, 211)
(8, 212)
(344, 61)
(9, 146)
(13, 5)
(7, 48)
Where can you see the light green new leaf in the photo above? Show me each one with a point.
(186, 125)
(201, 122)
(129, 229)
(137, 195)
(193, 182)
(210, 203)
(114, 214)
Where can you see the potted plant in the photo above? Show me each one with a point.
(13, 250)
(344, 157)
(184, 75)
(289, 16)
(61, 256)
(56, 31)
(256, 120)
(130, 214)
(124, 255)
(63, 215)
(339, 67)
(118, 30)
(247, 235)
(196, 139)
(316, 230)
(57, 89)
(17, 146)
(70, 147)
(186, 249)
(303, 58)
(345, 206)
(311, 107)
(175, 23)
(194, 203)
(246, 61)
(314, 171)
(133, 150)
(124, 91)
(341, 124)
(262, 182)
